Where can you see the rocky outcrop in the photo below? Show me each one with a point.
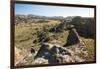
(84, 26)
(53, 54)
(73, 37)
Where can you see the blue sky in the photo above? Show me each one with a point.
(25, 9)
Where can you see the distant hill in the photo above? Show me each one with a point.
(34, 18)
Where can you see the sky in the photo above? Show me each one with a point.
(44, 10)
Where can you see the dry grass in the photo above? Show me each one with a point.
(90, 45)
(25, 33)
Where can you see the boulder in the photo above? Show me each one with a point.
(84, 26)
(73, 38)
(53, 54)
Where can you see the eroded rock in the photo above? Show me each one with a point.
(53, 54)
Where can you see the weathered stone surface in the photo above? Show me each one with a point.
(84, 26)
(41, 61)
(73, 38)
(53, 53)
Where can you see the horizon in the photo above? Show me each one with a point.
(51, 11)
(52, 16)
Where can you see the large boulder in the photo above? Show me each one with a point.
(53, 54)
(73, 37)
(84, 26)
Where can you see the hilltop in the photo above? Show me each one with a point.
(72, 37)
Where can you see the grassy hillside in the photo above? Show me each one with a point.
(31, 35)
(26, 33)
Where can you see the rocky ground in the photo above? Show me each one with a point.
(53, 54)
(54, 41)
